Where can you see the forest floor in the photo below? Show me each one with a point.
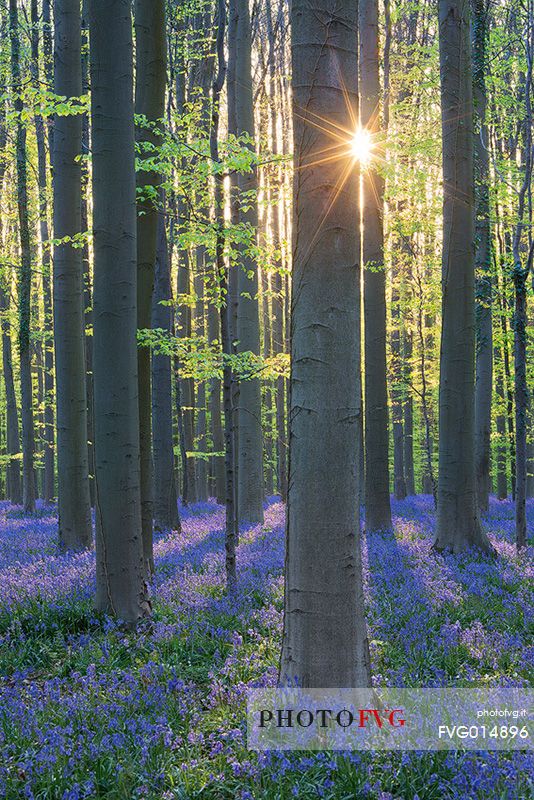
(88, 710)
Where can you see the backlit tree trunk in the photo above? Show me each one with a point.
(48, 360)
(377, 503)
(13, 482)
(25, 273)
(324, 641)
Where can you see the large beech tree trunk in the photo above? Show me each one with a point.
(458, 525)
(75, 526)
(120, 563)
(377, 502)
(151, 75)
(324, 641)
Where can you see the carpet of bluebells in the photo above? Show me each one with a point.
(89, 710)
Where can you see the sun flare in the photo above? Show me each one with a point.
(361, 146)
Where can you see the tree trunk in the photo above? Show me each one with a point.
(186, 388)
(87, 283)
(48, 359)
(165, 497)
(225, 311)
(250, 449)
(458, 524)
(217, 435)
(500, 425)
(13, 482)
(268, 399)
(75, 527)
(508, 383)
(521, 401)
(324, 639)
(408, 414)
(120, 562)
(14, 487)
(484, 329)
(399, 480)
(151, 76)
(25, 274)
(408, 445)
(520, 276)
(233, 293)
(200, 438)
(377, 502)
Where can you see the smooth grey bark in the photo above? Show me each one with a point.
(75, 526)
(217, 435)
(523, 257)
(225, 312)
(500, 426)
(250, 448)
(408, 446)
(399, 480)
(151, 76)
(377, 499)
(520, 276)
(186, 387)
(14, 486)
(483, 287)
(324, 638)
(166, 515)
(268, 393)
(508, 380)
(278, 341)
(200, 433)
(120, 574)
(38, 373)
(47, 344)
(200, 81)
(13, 482)
(425, 324)
(87, 280)
(408, 414)
(25, 274)
(233, 292)
(458, 524)
(278, 298)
